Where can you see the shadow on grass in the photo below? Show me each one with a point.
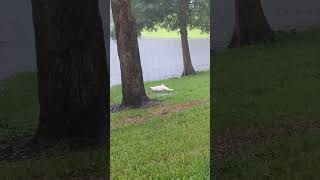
(26, 148)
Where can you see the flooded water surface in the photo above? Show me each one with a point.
(162, 58)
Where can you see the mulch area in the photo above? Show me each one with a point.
(118, 108)
(231, 144)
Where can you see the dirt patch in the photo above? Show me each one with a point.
(167, 109)
(231, 144)
(158, 109)
(150, 103)
(129, 120)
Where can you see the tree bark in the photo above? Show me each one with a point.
(187, 63)
(133, 91)
(72, 70)
(251, 25)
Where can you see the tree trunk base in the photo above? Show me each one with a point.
(188, 73)
(135, 102)
(119, 108)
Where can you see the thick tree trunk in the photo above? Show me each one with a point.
(251, 25)
(187, 64)
(133, 90)
(72, 70)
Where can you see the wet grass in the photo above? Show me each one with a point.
(172, 140)
(19, 118)
(19, 106)
(264, 86)
(163, 33)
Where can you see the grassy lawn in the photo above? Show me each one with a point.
(19, 117)
(165, 141)
(269, 87)
(163, 33)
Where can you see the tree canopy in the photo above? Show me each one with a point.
(153, 14)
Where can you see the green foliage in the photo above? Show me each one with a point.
(163, 33)
(151, 14)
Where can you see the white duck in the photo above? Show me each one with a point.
(160, 88)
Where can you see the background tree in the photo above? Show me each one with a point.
(133, 91)
(174, 15)
(112, 28)
(251, 24)
(72, 70)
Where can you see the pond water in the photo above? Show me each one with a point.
(162, 58)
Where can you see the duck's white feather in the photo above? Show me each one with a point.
(160, 88)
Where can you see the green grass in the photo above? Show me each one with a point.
(290, 158)
(59, 165)
(163, 33)
(185, 89)
(266, 85)
(19, 117)
(175, 145)
(19, 106)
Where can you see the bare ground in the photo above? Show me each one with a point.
(159, 109)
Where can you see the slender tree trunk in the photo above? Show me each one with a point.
(72, 70)
(187, 64)
(133, 90)
(251, 25)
